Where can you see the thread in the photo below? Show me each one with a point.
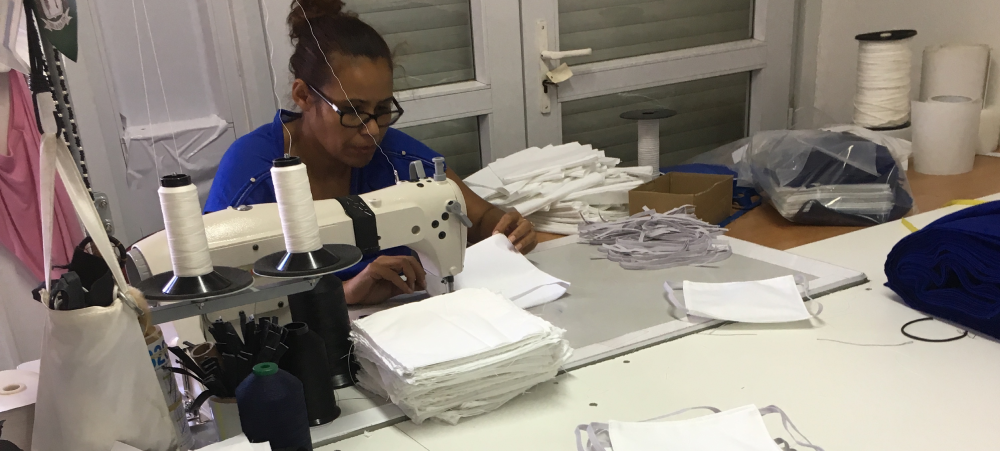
(185, 230)
(272, 409)
(295, 207)
(649, 143)
(159, 75)
(274, 77)
(883, 94)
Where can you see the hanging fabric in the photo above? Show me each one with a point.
(20, 227)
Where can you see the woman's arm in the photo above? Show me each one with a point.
(488, 220)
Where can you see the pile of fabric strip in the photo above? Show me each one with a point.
(456, 355)
(558, 187)
(951, 268)
(651, 240)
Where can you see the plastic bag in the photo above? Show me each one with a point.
(827, 178)
(96, 385)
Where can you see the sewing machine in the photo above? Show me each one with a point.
(424, 214)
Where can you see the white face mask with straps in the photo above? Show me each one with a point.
(740, 429)
(775, 300)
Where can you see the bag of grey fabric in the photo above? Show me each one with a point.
(828, 178)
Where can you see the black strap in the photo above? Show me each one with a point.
(365, 227)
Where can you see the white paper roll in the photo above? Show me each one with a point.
(954, 70)
(945, 135)
(989, 130)
(18, 392)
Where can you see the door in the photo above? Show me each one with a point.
(723, 65)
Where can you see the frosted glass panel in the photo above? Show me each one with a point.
(431, 40)
(710, 112)
(626, 28)
(457, 140)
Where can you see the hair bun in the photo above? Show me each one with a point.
(304, 11)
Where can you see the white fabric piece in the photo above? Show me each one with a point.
(495, 265)
(740, 429)
(533, 205)
(456, 355)
(774, 300)
(536, 180)
(449, 327)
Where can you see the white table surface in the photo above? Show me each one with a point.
(916, 396)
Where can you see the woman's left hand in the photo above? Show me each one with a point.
(519, 231)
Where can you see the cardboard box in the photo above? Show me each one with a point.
(711, 195)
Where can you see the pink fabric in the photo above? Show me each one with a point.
(20, 215)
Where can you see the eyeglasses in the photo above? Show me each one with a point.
(355, 119)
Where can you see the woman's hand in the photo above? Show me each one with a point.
(519, 231)
(381, 280)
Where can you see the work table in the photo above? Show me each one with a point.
(848, 380)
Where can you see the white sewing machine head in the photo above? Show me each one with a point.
(424, 215)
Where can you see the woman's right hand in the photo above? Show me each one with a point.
(381, 280)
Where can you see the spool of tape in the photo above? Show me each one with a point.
(18, 392)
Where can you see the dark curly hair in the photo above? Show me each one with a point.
(321, 28)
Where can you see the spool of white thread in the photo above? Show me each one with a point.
(295, 206)
(184, 227)
(649, 134)
(883, 93)
(649, 143)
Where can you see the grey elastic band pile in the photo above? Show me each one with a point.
(651, 240)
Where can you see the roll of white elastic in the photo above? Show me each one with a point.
(649, 143)
(185, 231)
(296, 208)
(883, 95)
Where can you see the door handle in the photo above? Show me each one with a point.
(558, 55)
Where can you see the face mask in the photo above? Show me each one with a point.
(763, 301)
(740, 429)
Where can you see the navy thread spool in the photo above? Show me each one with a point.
(273, 409)
(306, 360)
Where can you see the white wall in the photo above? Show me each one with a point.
(827, 77)
(21, 318)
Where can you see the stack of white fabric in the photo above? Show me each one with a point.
(456, 355)
(557, 187)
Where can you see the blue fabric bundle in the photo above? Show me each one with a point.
(951, 268)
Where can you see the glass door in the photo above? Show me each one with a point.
(723, 65)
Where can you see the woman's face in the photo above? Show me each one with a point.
(368, 87)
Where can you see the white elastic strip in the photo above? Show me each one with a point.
(651, 240)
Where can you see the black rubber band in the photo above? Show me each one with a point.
(365, 226)
(928, 340)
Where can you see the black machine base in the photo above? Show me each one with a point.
(328, 259)
(170, 288)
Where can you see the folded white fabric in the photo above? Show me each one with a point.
(495, 265)
(456, 355)
(763, 301)
(740, 429)
(572, 178)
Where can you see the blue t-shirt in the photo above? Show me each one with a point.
(244, 174)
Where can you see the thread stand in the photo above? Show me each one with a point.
(328, 259)
(171, 287)
(649, 133)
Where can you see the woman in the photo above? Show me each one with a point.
(342, 135)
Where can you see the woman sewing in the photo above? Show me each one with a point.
(344, 113)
